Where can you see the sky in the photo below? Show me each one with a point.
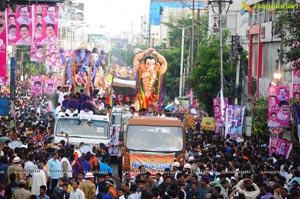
(115, 15)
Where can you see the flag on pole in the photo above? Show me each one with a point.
(222, 104)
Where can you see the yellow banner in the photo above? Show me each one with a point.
(152, 162)
(208, 123)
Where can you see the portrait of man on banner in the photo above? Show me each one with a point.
(20, 25)
(36, 85)
(296, 75)
(278, 106)
(296, 91)
(218, 118)
(272, 146)
(234, 122)
(36, 53)
(46, 24)
(49, 86)
(2, 46)
(283, 148)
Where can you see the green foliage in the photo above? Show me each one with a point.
(172, 76)
(29, 68)
(259, 108)
(9, 3)
(123, 57)
(205, 76)
(288, 24)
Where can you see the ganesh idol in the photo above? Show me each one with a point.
(81, 68)
(150, 66)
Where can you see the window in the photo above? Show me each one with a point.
(154, 138)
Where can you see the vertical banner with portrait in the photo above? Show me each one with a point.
(219, 120)
(296, 91)
(272, 145)
(20, 25)
(36, 53)
(49, 86)
(278, 106)
(296, 108)
(296, 75)
(280, 147)
(46, 24)
(234, 121)
(36, 85)
(53, 56)
(58, 81)
(2, 47)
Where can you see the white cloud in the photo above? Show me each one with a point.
(116, 15)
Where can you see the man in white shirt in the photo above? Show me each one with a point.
(24, 16)
(25, 35)
(60, 95)
(76, 193)
(50, 38)
(51, 15)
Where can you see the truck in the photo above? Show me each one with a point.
(98, 132)
(118, 122)
(154, 142)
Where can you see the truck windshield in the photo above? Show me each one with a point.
(67, 125)
(154, 138)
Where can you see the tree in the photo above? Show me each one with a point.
(29, 68)
(205, 77)
(172, 77)
(288, 27)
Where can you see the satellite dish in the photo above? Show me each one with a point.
(15, 144)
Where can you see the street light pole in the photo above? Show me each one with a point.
(221, 38)
(181, 63)
(193, 36)
(221, 45)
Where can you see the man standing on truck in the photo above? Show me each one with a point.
(73, 106)
(86, 110)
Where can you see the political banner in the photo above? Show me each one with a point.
(234, 122)
(46, 24)
(278, 106)
(219, 120)
(49, 86)
(36, 85)
(58, 80)
(296, 91)
(152, 162)
(207, 123)
(36, 53)
(296, 75)
(280, 147)
(296, 108)
(20, 25)
(2, 48)
(52, 59)
(73, 12)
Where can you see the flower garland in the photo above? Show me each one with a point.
(88, 84)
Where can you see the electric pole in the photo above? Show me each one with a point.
(221, 37)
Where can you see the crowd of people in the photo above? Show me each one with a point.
(215, 168)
